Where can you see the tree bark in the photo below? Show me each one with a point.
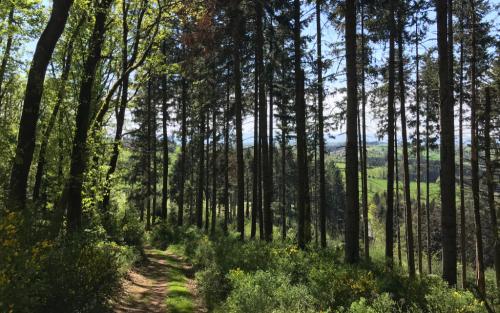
(303, 201)
(207, 174)
(480, 279)
(79, 151)
(271, 126)
(148, 157)
(321, 135)
(226, 164)
(397, 209)
(165, 159)
(427, 187)
(463, 253)
(67, 61)
(255, 165)
(31, 104)
(214, 167)
(153, 154)
(417, 105)
(447, 151)
(283, 183)
(180, 213)
(491, 184)
(364, 150)
(389, 222)
(201, 166)
(237, 30)
(264, 158)
(351, 155)
(406, 166)
(6, 54)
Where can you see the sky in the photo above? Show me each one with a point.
(329, 36)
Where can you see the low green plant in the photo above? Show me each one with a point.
(264, 291)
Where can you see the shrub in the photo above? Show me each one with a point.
(212, 285)
(163, 235)
(381, 304)
(264, 291)
(442, 299)
(132, 230)
(335, 285)
(63, 275)
(80, 276)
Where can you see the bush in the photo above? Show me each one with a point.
(57, 275)
(442, 299)
(212, 285)
(81, 277)
(264, 291)
(132, 230)
(381, 304)
(335, 285)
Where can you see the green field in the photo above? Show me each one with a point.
(376, 181)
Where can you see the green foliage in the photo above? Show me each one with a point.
(265, 291)
(442, 299)
(337, 285)
(132, 230)
(382, 304)
(81, 276)
(66, 274)
(256, 276)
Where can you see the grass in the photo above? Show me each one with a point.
(179, 298)
(379, 185)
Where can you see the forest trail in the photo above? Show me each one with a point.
(163, 283)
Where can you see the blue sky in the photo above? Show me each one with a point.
(330, 36)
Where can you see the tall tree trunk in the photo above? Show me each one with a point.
(79, 151)
(417, 105)
(397, 211)
(283, 182)
(155, 163)
(61, 92)
(427, 187)
(351, 155)
(321, 135)
(463, 253)
(226, 164)
(148, 157)
(165, 159)
(6, 54)
(364, 158)
(207, 175)
(238, 114)
(303, 201)
(31, 104)
(180, 214)
(491, 184)
(255, 165)
(192, 178)
(259, 59)
(447, 151)
(389, 223)
(201, 167)
(406, 165)
(480, 280)
(271, 131)
(120, 116)
(214, 167)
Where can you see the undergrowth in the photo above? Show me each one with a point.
(260, 277)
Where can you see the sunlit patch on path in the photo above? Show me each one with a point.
(163, 283)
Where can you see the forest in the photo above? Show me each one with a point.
(250, 156)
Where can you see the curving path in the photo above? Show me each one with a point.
(163, 283)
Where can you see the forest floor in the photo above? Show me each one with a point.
(164, 282)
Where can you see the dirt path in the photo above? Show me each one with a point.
(163, 283)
